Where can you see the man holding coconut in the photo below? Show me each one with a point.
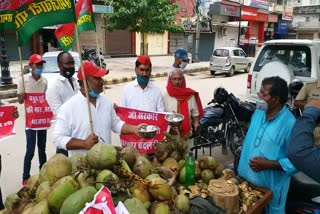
(72, 129)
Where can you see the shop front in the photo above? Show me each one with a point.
(270, 26)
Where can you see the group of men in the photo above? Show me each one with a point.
(275, 146)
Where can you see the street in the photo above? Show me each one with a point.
(13, 149)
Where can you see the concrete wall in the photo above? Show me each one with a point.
(157, 43)
(229, 39)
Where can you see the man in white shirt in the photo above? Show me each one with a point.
(72, 129)
(181, 59)
(34, 83)
(141, 94)
(63, 87)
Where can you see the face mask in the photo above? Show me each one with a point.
(262, 105)
(91, 92)
(69, 72)
(38, 71)
(143, 81)
(183, 65)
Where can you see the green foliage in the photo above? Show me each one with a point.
(145, 16)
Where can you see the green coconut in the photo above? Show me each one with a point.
(58, 167)
(143, 195)
(160, 189)
(153, 175)
(182, 203)
(129, 154)
(135, 206)
(182, 175)
(158, 207)
(12, 201)
(171, 163)
(77, 200)
(207, 162)
(181, 164)
(102, 156)
(43, 191)
(142, 167)
(60, 191)
(121, 196)
(207, 175)
(33, 182)
(105, 176)
(43, 174)
(28, 208)
(78, 162)
(85, 179)
(40, 208)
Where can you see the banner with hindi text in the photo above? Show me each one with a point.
(135, 117)
(38, 113)
(6, 121)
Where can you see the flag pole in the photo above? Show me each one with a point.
(84, 82)
(98, 50)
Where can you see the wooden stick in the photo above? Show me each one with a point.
(84, 82)
(98, 50)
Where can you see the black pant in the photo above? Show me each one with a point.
(33, 136)
(62, 151)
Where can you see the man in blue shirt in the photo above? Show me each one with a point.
(302, 151)
(264, 160)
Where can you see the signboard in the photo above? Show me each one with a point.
(261, 4)
(278, 8)
(283, 27)
(6, 121)
(252, 14)
(272, 18)
(102, 8)
(288, 13)
(221, 9)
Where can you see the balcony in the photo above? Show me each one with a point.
(306, 25)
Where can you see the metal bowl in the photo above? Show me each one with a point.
(148, 131)
(174, 119)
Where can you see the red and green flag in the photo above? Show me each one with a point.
(40, 13)
(65, 35)
(84, 14)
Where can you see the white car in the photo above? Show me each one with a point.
(229, 60)
(288, 58)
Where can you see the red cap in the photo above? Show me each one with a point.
(36, 58)
(144, 60)
(90, 69)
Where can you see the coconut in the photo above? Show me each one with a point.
(77, 200)
(102, 156)
(41, 208)
(207, 175)
(142, 167)
(151, 176)
(160, 208)
(181, 164)
(135, 206)
(78, 161)
(197, 170)
(162, 151)
(12, 201)
(58, 167)
(60, 191)
(85, 179)
(33, 182)
(160, 189)
(182, 175)
(143, 195)
(175, 155)
(105, 176)
(155, 163)
(171, 163)
(43, 174)
(125, 165)
(129, 154)
(218, 170)
(121, 196)
(182, 203)
(207, 162)
(43, 191)
(28, 208)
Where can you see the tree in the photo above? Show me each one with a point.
(143, 16)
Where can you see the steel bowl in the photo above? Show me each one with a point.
(174, 119)
(148, 131)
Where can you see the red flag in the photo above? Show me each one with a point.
(65, 35)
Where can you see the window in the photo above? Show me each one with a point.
(236, 53)
(221, 52)
(243, 54)
(297, 58)
(307, 19)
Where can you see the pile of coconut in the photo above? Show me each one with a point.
(65, 185)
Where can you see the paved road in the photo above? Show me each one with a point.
(13, 149)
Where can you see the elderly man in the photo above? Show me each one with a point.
(34, 83)
(64, 86)
(141, 94)
(72, 129)
(179, 98)
(264, 161)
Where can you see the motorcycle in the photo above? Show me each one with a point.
(91, 55)
(294, 88)
(225, 123)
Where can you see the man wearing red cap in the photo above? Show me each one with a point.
(72, 129)
(142, 94)
(34, 83)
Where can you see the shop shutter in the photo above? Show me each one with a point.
(119, 42)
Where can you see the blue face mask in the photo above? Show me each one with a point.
(92, 93)
(38, 71)
(141, 80)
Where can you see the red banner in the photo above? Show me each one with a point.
(136, 117)
(38, 113)
(6, 121)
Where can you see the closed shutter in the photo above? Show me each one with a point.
(177, 40)
(119, 42)
(11, 47)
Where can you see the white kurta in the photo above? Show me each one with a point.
(148, 99)
(60, 91)
(73, 121)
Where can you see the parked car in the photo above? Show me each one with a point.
(229, 60)
(288, 58)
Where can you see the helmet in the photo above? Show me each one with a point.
(220, 95)
(181, 53)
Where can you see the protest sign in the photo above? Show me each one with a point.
(6, 121)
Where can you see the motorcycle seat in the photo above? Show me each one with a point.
(305, 185)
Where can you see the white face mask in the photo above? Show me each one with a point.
(183, 65)
(262, 105)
